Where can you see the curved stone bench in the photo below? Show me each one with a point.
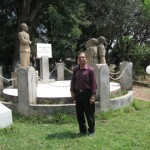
(44, 109)
(122, 101)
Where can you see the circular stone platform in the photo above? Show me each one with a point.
(58, 89)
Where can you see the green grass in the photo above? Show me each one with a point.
(119, 94)
(124, 129)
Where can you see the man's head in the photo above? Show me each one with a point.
(82, 58)
(24, 27)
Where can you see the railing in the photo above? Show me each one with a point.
(116, 74)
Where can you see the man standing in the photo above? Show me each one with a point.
(83, 89)
(25, 42)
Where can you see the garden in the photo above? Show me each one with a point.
(124, 129)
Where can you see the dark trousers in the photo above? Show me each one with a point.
(85, 109)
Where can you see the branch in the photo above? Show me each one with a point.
(35, 10)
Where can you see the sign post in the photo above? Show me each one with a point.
(44, 52)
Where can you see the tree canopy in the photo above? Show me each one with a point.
(68, 24)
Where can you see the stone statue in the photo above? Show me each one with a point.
(25, 42)
(91, 50)
(101, 50)
(95, 51)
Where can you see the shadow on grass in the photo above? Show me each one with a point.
(63, 135)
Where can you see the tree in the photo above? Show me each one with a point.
(115, 20)
(48, 21)
(68, 24)
(24, 11)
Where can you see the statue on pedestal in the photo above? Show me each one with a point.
(25, 42)
(95, 51)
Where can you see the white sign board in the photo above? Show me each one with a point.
(44, 50)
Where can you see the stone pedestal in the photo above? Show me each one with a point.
(32, 85)
(60, 71)
(126, 80)
(103, 86)
(27, 92)
(5, 116)
(44, 68)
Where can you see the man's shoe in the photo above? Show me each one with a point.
(91, 134)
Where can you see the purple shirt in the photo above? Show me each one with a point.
(83, 79)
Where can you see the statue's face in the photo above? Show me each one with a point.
(24, 27)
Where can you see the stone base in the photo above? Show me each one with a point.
(5, 116)
(48, 81)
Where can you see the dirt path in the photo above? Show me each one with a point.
(141, 92)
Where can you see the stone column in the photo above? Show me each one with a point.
(32, 85)
(1, 82)
(126, 80)
(60, 71)
(44, 68)
(26, 89)
(103, 86)
(23, 93)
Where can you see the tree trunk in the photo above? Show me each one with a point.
(27, 13)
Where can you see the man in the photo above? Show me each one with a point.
(83, 89)
(24, 39)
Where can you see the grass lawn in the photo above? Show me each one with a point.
(124, 129)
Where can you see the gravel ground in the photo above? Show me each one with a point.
(141, 92)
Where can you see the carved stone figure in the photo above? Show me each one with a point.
(25, 42)
(95, 51)
(101, 50)
(91, 50)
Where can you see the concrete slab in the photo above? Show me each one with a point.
(58, 89)
(5, 116)
(114, 87)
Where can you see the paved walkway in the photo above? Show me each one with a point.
(141, 92)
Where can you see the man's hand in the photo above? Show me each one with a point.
(73, 96)
(92, 100)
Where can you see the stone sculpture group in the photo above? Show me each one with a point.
(94, 47)
(96, 51)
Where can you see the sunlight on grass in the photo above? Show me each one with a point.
(124, 129)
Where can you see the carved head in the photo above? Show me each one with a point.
(101, 40)
(91, 42)
(24, 27)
